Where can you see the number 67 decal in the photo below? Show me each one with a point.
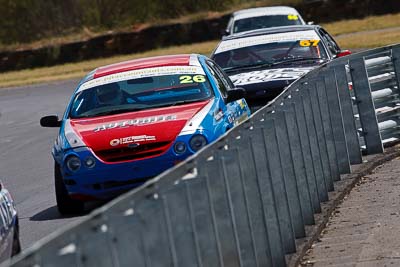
(308, 43)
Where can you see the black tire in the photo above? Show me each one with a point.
(16, 245)
(65, 204)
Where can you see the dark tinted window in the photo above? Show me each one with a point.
(254, 23)
(330, 42)
(270, 53)
(139, 94)
(221, 84)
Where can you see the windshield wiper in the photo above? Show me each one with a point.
(271, 64)
(296, 59)
(249, 66)
(177, 103)
(116, 111)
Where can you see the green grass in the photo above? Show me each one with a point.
(368, 40)
(366, 24)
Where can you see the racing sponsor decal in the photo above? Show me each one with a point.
(265, 39)
(307, 43)
(242, 104)
(293, 17)
(269, 75)
(241, 118)
(192, 79)
(134, 122)
(218, 114)
(132, 140)
(142, 73)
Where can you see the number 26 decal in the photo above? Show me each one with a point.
(192, 79)
(307, 43)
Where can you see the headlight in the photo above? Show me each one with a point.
(197, 142)
(180, 147)
(90, 162)
(73, 163)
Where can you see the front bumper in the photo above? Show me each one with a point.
(107, 180)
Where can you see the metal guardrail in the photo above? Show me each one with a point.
(243, 200)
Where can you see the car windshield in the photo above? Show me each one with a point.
(255, 23)
(140, 94)
(271, 54)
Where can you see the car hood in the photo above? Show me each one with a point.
(132, 129)
(287, 75)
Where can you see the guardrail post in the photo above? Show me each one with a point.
(337, 122)
(279, 241)
(331, 174)
(270, 143)
(318, 92)
(322, 168)
(350, 128)
(366, 108)
(396, 64)
(282, 136)
(259, 198)
(155, 232)
(203, 219)
(126, 231)
(180, 228)
(312, 161)
(239, 209)
(221, 213)
(298, 161)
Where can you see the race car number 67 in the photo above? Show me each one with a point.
(309, 43)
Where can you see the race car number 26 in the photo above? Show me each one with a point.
(192, 79)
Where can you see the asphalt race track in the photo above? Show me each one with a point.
(26, 165)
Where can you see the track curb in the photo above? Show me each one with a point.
(342, 189)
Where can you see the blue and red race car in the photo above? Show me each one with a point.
(130, 121)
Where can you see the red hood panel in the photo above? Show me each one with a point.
(135, 128)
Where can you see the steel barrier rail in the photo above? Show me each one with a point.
(243, 200)
(383, 81)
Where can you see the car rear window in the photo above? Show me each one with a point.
(261, 22)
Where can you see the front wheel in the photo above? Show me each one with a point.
(65, 204)
(16, 245)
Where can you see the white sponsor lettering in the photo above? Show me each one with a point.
(142, 73)
(135, 122)
(268, 75)
(132, 139)
(265, 39)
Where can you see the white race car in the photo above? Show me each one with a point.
(263, 17)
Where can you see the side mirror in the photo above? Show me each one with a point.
(224, 32)
(50, 121)
(236, 94)
(310, 22)
(343, 53)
